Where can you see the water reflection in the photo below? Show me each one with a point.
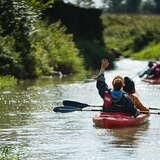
(123, 143)
(127, 137)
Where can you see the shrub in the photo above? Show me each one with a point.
(152, 51)
(55, 50)
(7, 82)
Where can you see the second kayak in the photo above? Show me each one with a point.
(117, 120)
(152, 80)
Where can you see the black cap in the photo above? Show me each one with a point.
(129, 85)
(150, 64)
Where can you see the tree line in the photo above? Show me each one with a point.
(125, 6)
(132, 6)
(43, 37)
(30, 47)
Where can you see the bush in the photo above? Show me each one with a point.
(9, 58)
(55, 50)
(7, 82)
(152, 51)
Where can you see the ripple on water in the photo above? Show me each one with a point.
(27, 121)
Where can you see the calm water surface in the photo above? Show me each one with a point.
(37, 133)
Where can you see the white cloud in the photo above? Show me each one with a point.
(98, 3)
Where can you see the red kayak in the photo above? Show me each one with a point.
(117, 120)
(152, 80)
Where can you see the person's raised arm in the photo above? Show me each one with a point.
(101, 85)
(104, 66)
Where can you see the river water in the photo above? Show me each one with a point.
(37, 133)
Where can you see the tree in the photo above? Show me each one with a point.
(17, 20)
(132, 6)
(113, 5)
(147, 6)
(157, 6)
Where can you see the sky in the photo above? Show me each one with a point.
(98, 3)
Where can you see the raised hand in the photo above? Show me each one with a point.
(104, 63)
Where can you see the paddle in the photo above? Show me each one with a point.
(67, 109)
(158, 113)
(76, 104)
(83, 105)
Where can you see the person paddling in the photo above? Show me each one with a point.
(153, 70)
(115, 100)
(129, 88)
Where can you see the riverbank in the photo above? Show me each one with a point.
(134, 35)
(11, 83)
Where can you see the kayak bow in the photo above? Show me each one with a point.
(152, 80)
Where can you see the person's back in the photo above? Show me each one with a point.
(114, 100)
(156, 70)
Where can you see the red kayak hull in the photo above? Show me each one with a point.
(152, 80)
(118, 120)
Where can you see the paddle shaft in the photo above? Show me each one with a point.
(154, 108)
(143, 112)
(158, 113)
(83, 105)
(63, 109)
(92, 110)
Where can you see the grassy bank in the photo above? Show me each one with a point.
(7, 82)
(136, 36)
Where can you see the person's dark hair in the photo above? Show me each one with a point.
(150, 64)
(129, 85)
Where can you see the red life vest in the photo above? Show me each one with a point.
(107, 99)
(156, 70)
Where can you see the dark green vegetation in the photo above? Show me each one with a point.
(85, 25)
(7, 82)
(30, 48)
(137, 36)
(44, 37)
(34, 42)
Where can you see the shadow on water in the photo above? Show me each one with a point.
(127, 137)
(122, 142)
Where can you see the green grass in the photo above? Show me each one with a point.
(152, 51)
(133, 35)
(7, 82)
